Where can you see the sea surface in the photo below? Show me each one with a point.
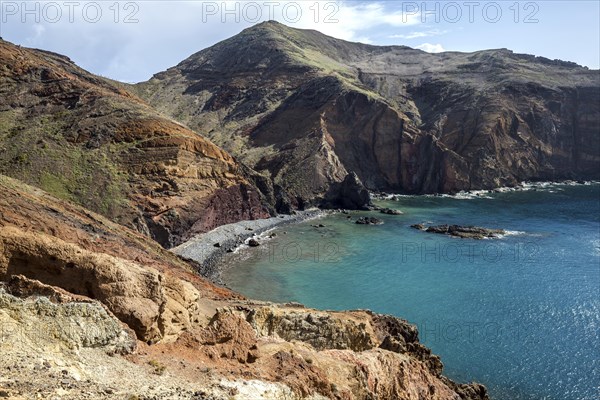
(520, 314)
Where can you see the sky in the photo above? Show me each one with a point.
(132, 40)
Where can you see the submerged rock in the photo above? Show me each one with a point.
(369, 221)
(390, 211)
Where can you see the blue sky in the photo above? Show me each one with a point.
(130, 41)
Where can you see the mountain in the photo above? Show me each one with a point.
(108, 310)
(87, 139)
(305, 110)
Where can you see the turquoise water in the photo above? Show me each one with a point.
(520, 314)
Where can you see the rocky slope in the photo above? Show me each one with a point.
(305, 110)
(86, 139)
(108, 313)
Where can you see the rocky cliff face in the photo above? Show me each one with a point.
(86, 139)
(305, 109)
(78, 287)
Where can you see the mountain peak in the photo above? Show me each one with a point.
(271, 23)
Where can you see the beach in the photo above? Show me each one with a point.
(208, 248)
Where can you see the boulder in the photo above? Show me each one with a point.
(253, 243)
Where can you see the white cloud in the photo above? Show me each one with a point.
(421, 34)
(349, 20)
(430, 48)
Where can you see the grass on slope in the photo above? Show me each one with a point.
(37, 153)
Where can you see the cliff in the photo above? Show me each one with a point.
(108, 310)
(87, 139)
(306, 109)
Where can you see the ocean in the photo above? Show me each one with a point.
(520, 314)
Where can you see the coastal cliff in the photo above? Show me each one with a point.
(87, 139)
(82, 293)
(306, 109)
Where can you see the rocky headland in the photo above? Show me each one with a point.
(91, 309)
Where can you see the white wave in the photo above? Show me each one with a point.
(551, 187)
(514, 233)
(392, 196)
(474, 194)
(595, 246)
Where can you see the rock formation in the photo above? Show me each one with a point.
(349, 194)
(390, 211)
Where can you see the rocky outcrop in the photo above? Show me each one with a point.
(350, 194)
(464, 232)
(154, 305)
(305, 109)
(29, 319)
(87, 139)
(152, 291)
(375, 356)
(320, 329)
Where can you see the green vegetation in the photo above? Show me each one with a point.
(36, 152)
(55, 185)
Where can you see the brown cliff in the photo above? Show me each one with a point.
(87, 139)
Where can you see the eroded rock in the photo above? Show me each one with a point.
(153, 304)
(34, 322)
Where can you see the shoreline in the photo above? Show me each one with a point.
(524, 186)
(207, 249)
